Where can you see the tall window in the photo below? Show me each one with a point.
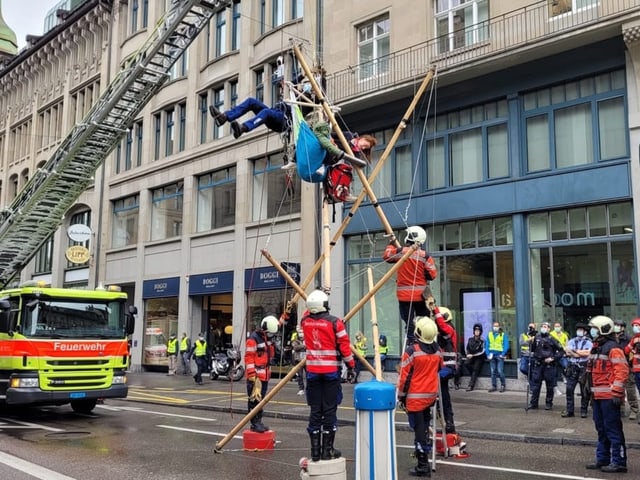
(169, 132)
(218, 102)
(460, 23)
(181, 67)
(468, 146)
(43, 260)
(203, 108)
(373, 47)
(576, 123)
(157, 135)
(137, 128)
(125, 221)
(221, 33)
(277, 18)
(182, 126)
(263, 16)
(259, 76)
(297, 8)
(235, 26)
(274, 194)
(166, 211)
(216, 199)
(138, 15)
(81, 218)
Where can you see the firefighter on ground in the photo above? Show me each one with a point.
(257, 359)
(447, 340)
(413, 277)
(632, 351)
(327, 344)
(545, 353)
(607, 373)
(418, 387)
(619, 327)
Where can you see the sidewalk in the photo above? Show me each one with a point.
(478, 414)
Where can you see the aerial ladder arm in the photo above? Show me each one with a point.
(39, 209)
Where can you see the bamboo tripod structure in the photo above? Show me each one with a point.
(329, 243)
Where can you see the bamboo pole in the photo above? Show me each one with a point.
(270, 394)
(326, 248)
(374, 329)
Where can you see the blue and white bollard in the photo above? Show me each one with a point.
(375, 404)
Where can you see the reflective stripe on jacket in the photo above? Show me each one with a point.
(200, 348)
(327, 343)
(632, 349)
(414, 274)
(172, 346)
(609, 370)
(418, 381)
(258, 356)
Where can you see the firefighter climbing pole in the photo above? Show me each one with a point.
(38, 210)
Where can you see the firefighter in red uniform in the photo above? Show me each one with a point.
(412, 278)
(327, 344)
(447, 339)
(607, 373)
(632, 350)
(257, 359)
(418, 387)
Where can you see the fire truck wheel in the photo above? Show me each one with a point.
(83, 406)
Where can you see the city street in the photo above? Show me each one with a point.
(168, 439)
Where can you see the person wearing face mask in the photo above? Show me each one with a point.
(632, 350)
(577, 351)
(607, 373)
(624, 340)
(199, 354)
(475, 355)
(497, 346)
(525, 345)
(545, 353)
(563, 339)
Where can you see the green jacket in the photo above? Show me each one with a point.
(322, 131)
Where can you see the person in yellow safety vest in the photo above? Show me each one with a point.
(361, 347)
(563, 339)
(185, 354)
(172, 354)
(199, 353)
(297, 344)
(383, 348)
(525, 348)
(497, 347)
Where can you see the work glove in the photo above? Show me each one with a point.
(402, 404)
(256, 391)
(616, 401)
(351, 375)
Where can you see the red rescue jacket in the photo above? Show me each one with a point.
(633, 348)
(609, 369)
(258, 356)
(447, 339)
(418, 382)
(327, 343)
(414, 274)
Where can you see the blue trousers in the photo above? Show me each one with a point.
(272, 118)
(611, 447)
(497, 370)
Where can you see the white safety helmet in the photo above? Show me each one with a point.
(426, 329)
(318, 301)
(446, 314)
(415, 234)
(269, 324)
(603, 324)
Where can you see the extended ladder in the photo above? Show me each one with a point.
(39, 208)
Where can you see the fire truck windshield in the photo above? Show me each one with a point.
(72, 319)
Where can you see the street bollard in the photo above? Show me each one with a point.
(375, 404)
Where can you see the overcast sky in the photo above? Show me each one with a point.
(26, 17)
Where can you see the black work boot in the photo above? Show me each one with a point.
(328, 452)
(315, 445)
(422, 469)
(219, 117)
(238, 129)
(472, 385)
(257, 425)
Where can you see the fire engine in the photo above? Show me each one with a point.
(61, 345)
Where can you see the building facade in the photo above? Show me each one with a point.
(519, 161)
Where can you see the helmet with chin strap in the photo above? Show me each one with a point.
(415, 234)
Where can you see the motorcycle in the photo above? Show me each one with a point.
(227, 364)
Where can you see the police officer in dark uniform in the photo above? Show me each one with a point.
(545, 352)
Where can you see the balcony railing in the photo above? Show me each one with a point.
(536, 23)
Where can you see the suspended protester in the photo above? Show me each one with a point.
(257, 359)
(418, 387)
(327, 345)
(275, 118)
(607, 373)
(412, 278)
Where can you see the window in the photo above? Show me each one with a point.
(233, 89)
(278, 13)
(125, 221)
(216, 199)
(82, 100)
(396, 176)
(259, 76)
(221, 33)
(218, 102)
(43, 260)
(558, 7)
(235, 26)
(468, 146)
(297, 8)
(138, 15)
(166, 139)
(203, 103)
(460, 23)
(274, 194)
(182, 126)
(169, 122)
(137, 128)
(157, 122)
(576, 123)
(166, 211)
(373, 47)
(49, 125)
(181, 67)
(81, 218)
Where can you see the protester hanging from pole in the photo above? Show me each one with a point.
(326, 341)
(413, 277)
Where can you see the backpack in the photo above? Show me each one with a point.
(338, 182)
